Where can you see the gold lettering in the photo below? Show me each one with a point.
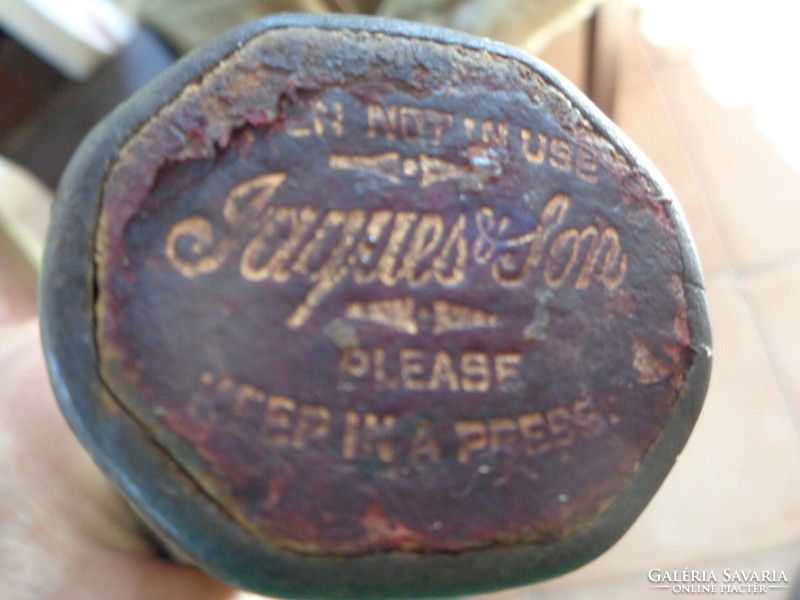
(376, 436)
(585, 165)
(449, 266)
(472, 437)
(506, 368)
(244, 207)
(475, 369)
(439, 121)
(381, 120)
(318, 118)
(559, 422)
(424, 445)
(412, 368)
(330, 273)
(409, 122)
(495, 134)
(247, 201)
(287, 423)
(566, 241)
(412, 123)
(560, 154)
(323, 249)
(567, 250)
(327, 242)
(587, 270)
(443, 373)
(423, 123)
(469, 126)
(488, 235)
(513, 264)
(541, 145)
(267, 255)
(390, 258)
(246, 395)
(278, 417)
(591, 420)
(333, 116)
(365, 262)
(615, 264)
(424, 241)
(313, 423)
(502, 434)
(553, 215)
(354, 362)
(379, 358)
(533, 429)
(352, 422)
(202, 255)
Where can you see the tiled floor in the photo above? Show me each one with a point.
(733, 499)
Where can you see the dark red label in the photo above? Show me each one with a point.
(386, 309)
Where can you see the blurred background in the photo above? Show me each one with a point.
(708, 89)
